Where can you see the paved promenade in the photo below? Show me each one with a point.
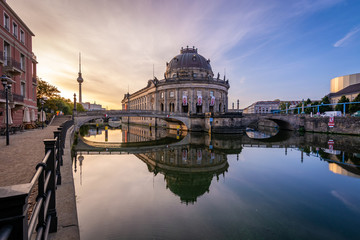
(17, 166)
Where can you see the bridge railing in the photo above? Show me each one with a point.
(14, 200)
(130, 112)
(317, 107)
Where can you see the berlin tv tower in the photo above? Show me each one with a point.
(80, 79)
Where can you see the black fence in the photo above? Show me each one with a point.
(14, 220)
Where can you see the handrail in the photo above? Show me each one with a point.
(5, 232)
(14, 223)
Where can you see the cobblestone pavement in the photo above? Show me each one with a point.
(18, 160)
(17, 166)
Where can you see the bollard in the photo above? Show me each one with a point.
(58, 157)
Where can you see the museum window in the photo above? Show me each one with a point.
(171, 107)
(162, 95)
(211, 109)
(161, 107)
(6, 22)
(211, 93)
(172, 94)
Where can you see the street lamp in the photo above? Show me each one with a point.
(6, 82)
(42, 100)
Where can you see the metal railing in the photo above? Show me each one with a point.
(11, 62)
(317, 107)
(14, 223)
(17, 97)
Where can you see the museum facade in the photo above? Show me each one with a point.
(188, 87)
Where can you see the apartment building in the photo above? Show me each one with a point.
(18, 63)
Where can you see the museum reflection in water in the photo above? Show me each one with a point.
(190, 164)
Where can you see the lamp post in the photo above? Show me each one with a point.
(6, 82)
(43, 99)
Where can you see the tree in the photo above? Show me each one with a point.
(80, 107)
(54, 101)
(282, 106)
(325, 100)
(340, 107)
(44, 89)
(355, 107)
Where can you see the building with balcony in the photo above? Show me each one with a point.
(188, 87)
(18, 62)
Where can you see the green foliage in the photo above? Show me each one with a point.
(44, 89)
(355, 107)
(282, 106)
(343, 99)
(59, 104)
(84, 130)
(80, 108)
(325, 100)
(54, 101)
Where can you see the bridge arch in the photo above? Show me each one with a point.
(182, 119)
(283, 125)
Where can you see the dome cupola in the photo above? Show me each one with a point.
(188, 65)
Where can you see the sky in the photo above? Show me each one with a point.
(268, 49)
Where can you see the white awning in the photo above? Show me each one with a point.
(42, 116)
(26, 118)
(33, 115)
(10, 118)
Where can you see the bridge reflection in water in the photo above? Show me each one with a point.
(200, 186)
(190, 162)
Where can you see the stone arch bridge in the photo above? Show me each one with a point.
(180, 118)
(233, 122)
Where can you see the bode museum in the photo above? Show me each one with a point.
(188, 88)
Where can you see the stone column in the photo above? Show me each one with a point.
(177, 101)
(191, 102)
(165, 102)
(156, 102)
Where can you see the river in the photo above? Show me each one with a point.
(201, 186)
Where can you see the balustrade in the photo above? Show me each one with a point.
(14, 223)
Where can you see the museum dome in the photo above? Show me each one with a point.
(188, 64)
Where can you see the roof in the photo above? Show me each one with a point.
(355, 88)
(16, 16)
(188, 58)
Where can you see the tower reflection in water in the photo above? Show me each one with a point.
(191, 163)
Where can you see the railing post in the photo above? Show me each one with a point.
(41, 194)
(50, 145)
(13, 209)
(62, 142)
(57, 135)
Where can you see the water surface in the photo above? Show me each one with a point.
(221, 188)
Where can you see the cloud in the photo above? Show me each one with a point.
(350, 34)
(122, 40)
